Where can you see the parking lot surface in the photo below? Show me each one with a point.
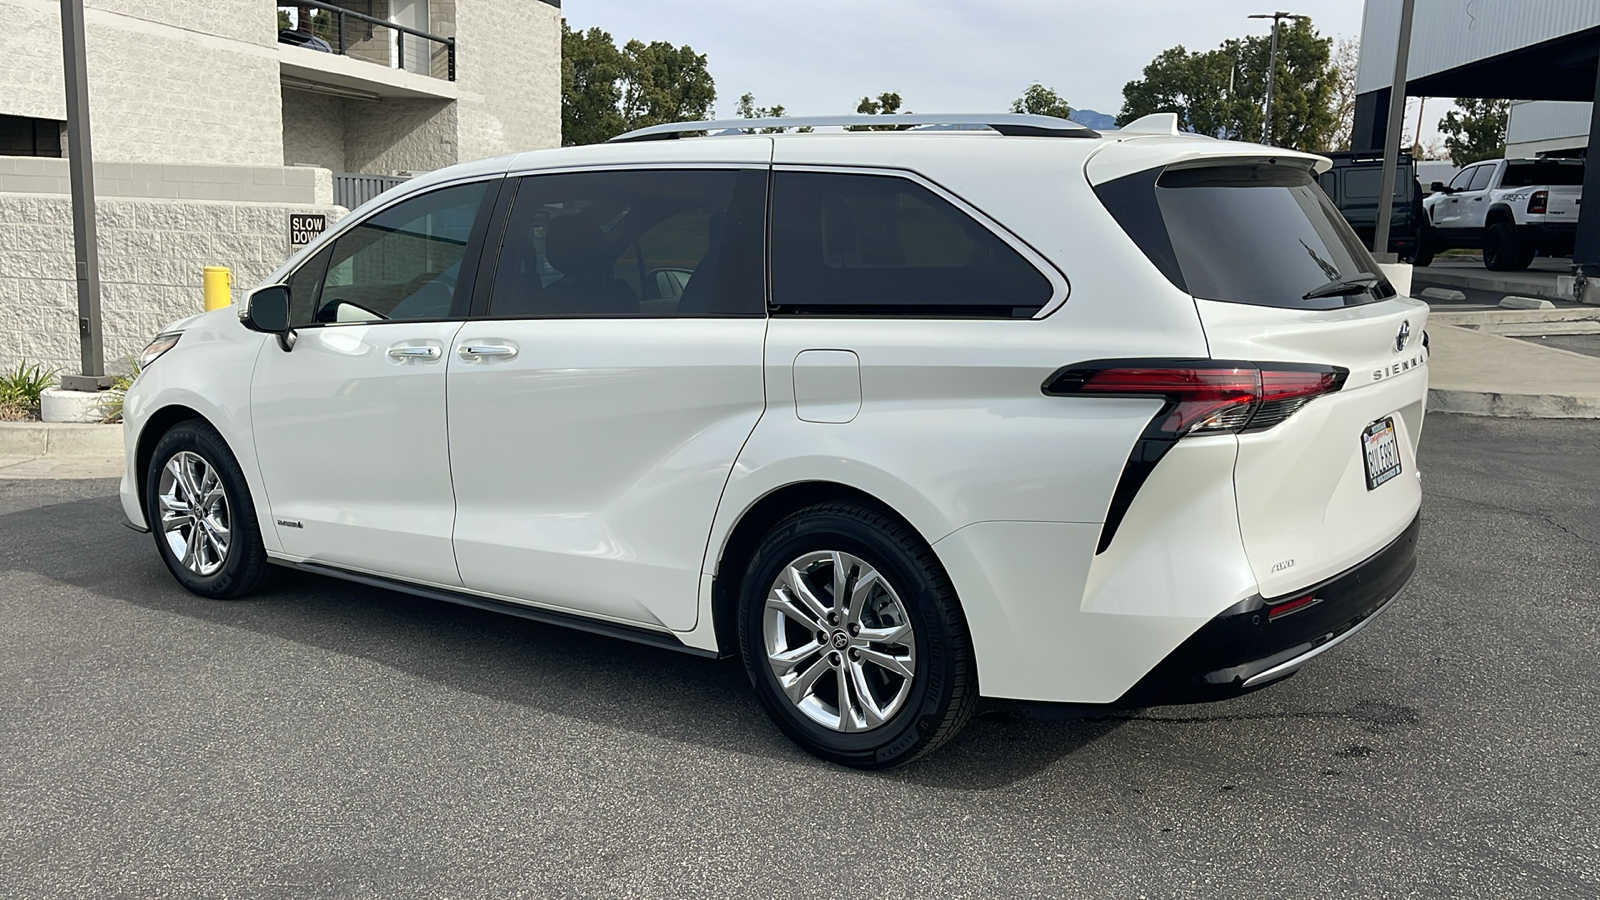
(327, 739)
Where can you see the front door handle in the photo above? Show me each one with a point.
(404, 353)
(487, 351)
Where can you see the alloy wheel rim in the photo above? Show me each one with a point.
(839, 641)
(195, 518)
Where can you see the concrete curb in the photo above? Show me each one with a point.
(1491, 281)
(1477, 317)
(1514, 406)
(36, 440)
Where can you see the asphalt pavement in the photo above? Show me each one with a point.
(331, 740)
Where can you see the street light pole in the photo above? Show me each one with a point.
(1392, 137)
(85, 242)
(1272, 68)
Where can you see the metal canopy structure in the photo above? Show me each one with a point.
(1563, 67)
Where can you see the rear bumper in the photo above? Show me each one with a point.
(1555, 238)
(1245, 648)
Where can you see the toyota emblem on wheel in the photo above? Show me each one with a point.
(1403, 337)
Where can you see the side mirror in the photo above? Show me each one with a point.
(267, 311)
(1438, 188)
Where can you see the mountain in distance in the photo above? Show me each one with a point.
(1099, 121)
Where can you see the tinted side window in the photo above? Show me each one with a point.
(1480, 178)
(404, 262)
(846, 244)
(305, 285)
(654, 243)
(1463, 178)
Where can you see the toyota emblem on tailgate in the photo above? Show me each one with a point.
(1403, 336)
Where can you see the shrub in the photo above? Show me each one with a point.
(20, 390)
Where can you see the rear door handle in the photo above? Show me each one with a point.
(403, 353)
(487, 351)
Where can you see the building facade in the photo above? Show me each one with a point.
(212, 122)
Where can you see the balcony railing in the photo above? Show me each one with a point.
(334, 29)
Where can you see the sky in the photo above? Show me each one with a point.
(822, 56)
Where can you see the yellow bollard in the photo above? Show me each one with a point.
(218, 283)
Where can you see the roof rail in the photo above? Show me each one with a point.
(1010, 124)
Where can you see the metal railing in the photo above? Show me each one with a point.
(351, 189)
(340, 31)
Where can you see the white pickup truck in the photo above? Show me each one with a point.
(1512, 208)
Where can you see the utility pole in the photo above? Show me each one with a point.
(1272, 68)
(1392, 137)
(85, 243)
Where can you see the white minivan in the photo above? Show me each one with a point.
(900, 418)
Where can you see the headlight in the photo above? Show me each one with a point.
(153, 350)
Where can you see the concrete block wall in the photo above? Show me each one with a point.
(169, 80)
(393, 135)
(152, 248)
(508, 67)
(313, 130)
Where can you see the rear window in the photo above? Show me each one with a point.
(1260, 234)
(1363, 184)
(1528, 174)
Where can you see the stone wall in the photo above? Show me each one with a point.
(152, 248)
(169, 80)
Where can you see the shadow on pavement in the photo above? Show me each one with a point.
(555, 670)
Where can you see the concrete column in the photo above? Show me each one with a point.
(1586, 252)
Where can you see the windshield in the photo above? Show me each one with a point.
(1262, 234)
(1555, 174)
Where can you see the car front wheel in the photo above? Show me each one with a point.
(202, 515)
(853, 638)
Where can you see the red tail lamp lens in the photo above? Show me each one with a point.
(1204, 396)
(1539, 203)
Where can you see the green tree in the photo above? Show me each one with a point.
(1039, 100)
(1477, 131)
(748, 109)
(1221, 92)
(606, 91)
(885, 104)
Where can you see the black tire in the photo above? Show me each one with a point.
(244, 566)
(1423, 255)
(1503, 250)
(943, 690)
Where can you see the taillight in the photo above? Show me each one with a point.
(1204, 396)
(1539, 202)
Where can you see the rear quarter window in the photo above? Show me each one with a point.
(848, 244)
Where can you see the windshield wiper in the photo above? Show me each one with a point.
(1356, 284)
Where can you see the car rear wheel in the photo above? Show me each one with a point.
(853, 638)
(202, 515)
(1503, 251)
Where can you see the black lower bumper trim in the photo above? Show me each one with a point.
(1221, 659)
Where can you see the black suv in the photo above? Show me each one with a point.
(1352, 184)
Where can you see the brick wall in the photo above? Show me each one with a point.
(152, 249)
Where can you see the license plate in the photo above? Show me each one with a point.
(1381, 448)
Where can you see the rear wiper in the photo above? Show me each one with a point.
(1357, 284)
